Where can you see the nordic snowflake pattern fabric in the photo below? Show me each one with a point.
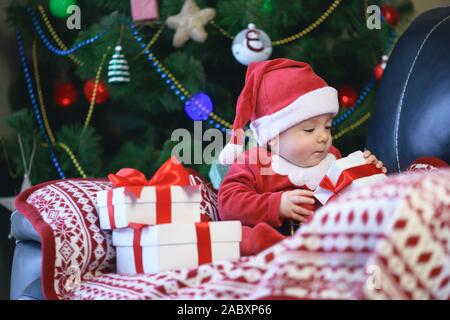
(385, 241)
(209, 203)
(81, 250)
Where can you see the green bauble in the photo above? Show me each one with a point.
(59, 7)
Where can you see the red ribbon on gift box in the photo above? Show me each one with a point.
(347, 176)
(137, 248)
(171, 173)
(204, 249)
(203, 242)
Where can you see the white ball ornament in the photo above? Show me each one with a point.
(251, 45)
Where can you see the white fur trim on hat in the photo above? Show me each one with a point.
(230, 153)
(311, 104)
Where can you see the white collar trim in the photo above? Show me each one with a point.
(310, 176)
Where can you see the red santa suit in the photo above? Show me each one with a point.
(251, 192)
(277, 95)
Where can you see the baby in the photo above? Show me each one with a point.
(268, 187)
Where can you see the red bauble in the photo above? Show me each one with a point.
(347, 96)
(102, 91)
(378, 71)
(390, 14)
(65, 95)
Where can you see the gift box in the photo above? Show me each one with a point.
(149, 249)
(144, 10)
(346, 174)
(170, 196)
(175, 204)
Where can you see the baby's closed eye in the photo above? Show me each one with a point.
(327, 127)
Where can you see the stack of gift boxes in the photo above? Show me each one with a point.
(159, 225)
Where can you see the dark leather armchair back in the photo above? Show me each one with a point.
(411, 117)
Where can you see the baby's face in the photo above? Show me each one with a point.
(307, 143)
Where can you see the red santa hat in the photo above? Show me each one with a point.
(277, 95)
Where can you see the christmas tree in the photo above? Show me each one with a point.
(99, 88)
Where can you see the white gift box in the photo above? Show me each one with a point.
(339, 168)
(169, 246)
(126, 208)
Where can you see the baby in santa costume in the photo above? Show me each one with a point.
(270, 186)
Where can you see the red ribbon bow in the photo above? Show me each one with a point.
(171, 173)
(348, 176)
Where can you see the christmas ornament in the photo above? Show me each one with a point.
(59, 7)
(118, 70)
(251, 45)
(390, 14)
(190, 23)
(143, 11)
(199, 107)
(65, 95)
(379, 69)
(347, 96)
(102, 91)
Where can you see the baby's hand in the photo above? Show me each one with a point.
(370, 158)
(290, 208)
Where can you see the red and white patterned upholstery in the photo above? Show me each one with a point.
(63, 213)
(386, 241)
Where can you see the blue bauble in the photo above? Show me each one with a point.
(199, 107)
